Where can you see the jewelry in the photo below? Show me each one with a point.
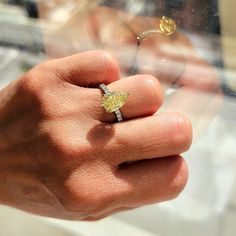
(113, 101)
(167, 27)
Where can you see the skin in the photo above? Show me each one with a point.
(63, 156)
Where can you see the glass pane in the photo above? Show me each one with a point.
(195, 63)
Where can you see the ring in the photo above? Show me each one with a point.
(113, 101)
(168, 27)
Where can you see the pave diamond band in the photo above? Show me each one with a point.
(119, 115)
(104, 88)
(113, 101)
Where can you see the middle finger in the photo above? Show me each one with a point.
(162, 135)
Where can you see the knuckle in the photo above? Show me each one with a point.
(110, 63)
(177, 178)
(66, 148)
(83, 200)
(153, 91)
(34, 81)
(181, 132)
(89, 204)
(87, 200)
(55, 69)
(43, 91)
(107, 57)
(96, 202)
(62, 70)
(30, 83)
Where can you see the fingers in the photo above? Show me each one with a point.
(162, 135)
(145, 98)
(88, 69)
(144, 182)
(153, 181)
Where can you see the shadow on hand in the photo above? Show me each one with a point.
(100, 134)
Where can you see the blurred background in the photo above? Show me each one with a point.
(197, 68)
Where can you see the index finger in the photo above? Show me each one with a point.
(88, 69)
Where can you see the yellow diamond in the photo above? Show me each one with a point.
(114, 101)
(167, 25)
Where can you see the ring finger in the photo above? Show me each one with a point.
(145, 98)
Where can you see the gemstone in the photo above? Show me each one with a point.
(114, 101)
(167, 25)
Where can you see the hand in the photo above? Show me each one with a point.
(173, 60)
(62, 155)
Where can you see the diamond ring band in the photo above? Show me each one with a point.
(113, 101)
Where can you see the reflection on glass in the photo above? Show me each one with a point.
(196, 66)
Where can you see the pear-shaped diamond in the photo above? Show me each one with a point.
(114, 101)
(167, 25)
